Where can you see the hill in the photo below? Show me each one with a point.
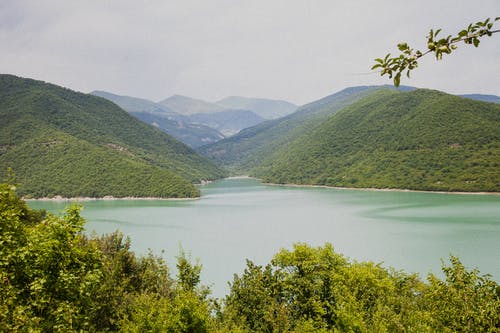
(160, 116)
(247, 149)
(421, 140)
(61, 142)
(266, 108)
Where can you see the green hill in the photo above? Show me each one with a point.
(61, 142)
(422, 140)
(247, 149)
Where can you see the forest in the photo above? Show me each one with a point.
(57, 278)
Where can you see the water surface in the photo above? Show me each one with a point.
(238, 219)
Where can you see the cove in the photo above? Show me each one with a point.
(239, 219)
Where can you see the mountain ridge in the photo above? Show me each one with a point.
(264, 107)
(418, 140)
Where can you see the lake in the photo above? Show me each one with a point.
(240, 218)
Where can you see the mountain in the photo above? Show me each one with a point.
(188, 106)
(247, 149)
(134, 104)
(266, 108)
(225, 120)
(228, 122)
(162, 117)
(420, 140)
(484, 98)
(182, 128)
(61, 142)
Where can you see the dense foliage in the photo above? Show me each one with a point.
(54, 278)
(247, 149)
(61, 142)
(422, 140)
(317, 290)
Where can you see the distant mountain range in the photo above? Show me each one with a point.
(484, 98)
(266, 108)
(192, 121)
(179, 126)
(61, 142)
(188, 106)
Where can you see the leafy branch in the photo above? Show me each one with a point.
(407, 60)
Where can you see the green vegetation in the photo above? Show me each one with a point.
(247, 149)
(60, 142)
(421, 140)
(56, 279)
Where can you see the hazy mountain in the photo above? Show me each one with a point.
(266, 108)
(182, 128)
(61, 142)
(162, 117)
(225, 120)
(228, 122)
(134, 104)
(422, 140)
(484, 98)
(187, 106)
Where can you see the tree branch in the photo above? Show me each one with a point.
(407, 60)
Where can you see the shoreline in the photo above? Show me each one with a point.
(379, 189)
(108, 198)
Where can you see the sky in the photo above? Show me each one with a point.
(294, 50)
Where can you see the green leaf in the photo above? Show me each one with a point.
(402, 46)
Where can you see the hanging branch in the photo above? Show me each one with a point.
(408, 58)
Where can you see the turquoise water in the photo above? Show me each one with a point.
(238, 219)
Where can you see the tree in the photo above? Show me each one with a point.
(407, 60)
(54, 278)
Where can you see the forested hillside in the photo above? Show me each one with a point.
(422, 140)
(61, 142)
(246, 150)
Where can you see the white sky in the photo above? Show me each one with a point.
(296, 50)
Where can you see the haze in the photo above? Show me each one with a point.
(293, 50)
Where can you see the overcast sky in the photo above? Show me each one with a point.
(296, 50)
